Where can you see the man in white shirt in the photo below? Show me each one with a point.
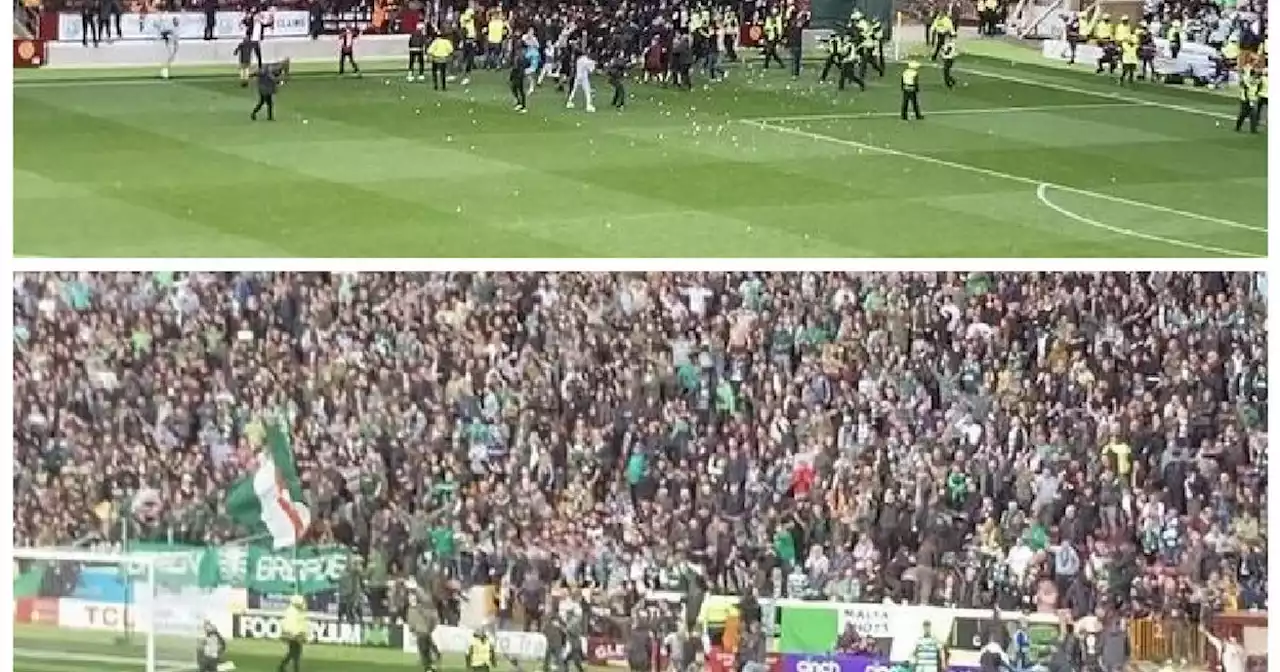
(168, 28)
(265, 21)
(1231, 653)
(582, 69)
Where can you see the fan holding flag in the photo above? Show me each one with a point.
(269, 499)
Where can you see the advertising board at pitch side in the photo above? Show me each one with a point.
(178, 615)
(321, 630)
(838, 663)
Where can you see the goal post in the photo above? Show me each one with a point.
(120, 612)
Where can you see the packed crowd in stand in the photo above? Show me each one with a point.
(1044, 441)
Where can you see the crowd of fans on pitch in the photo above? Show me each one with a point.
(1037, 440)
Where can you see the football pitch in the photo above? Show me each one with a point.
(45, 649)
(1020, 160)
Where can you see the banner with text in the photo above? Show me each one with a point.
(189, 25)
(512, 644)
(322, 630)
(719, 660)
(605, 652)
(305, 570)
(161, 617)
(814, 627)
(320, 602)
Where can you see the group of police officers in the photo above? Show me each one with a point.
(1133, 48)
(852, 51)
(701, 35)
(697, 38)
(1123, 44)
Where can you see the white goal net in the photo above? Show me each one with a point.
(84, 610)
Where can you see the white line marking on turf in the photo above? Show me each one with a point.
(974, 110)
(1042, 194)
(1099, 94)
(106, 659)
(71, 656)
(142, 77)
(1004, 176)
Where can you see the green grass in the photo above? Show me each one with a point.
(45, 649)
(118, 164)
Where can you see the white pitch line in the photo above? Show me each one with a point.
(138, 81)
(71, 656)
(202, 75)
(1099, 94)
(74, 657)
(1001, 175)
(1042, 194)
(953, 112)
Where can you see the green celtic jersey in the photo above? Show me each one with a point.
(928, 655)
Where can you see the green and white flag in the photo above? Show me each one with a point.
(269, 498)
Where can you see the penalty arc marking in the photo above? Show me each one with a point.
(1042, 193)
(1037, 183)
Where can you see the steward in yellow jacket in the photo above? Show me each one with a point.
(293, 630)
(481, 656)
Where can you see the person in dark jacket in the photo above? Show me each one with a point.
(849, 640)
(244, 55)
(681, 61)
(422, 620)
(519, 67)
(617, 72)
(751, 649)
(690, 649)
(1113, 647)
(418, 41)
(694, 595)
(89, 23)
(115, 13)
(639, 645)
(574, 631)
(993, 658)
(270, 78)
(994, 630)
(315, 19)
(1069, 652)
(749, 610)
(553, 630)
(210, 8)
(351, 588)
(1079, 598)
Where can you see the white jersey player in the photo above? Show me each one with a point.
(550, 55)
(582, 69)
(551, 64)
(168, 28)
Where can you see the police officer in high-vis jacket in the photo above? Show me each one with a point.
(911, 90)
(481, 654)
(293, 630)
